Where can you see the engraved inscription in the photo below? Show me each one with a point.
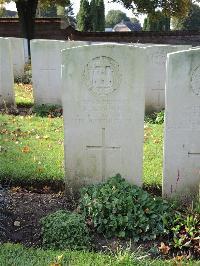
(195, 81)
(159, 58)
(110, 111)
(189, 119)
(101, 75)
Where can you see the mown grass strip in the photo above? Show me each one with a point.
(17, 255)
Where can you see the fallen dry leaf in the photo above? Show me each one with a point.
(26, 149)
(164, 249)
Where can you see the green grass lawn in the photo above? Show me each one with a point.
(24, 94)
(16, 255)
(31, 147)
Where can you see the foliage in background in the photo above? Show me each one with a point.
(100, 15)
(62, 229)
(155, 118)
(118, 209)
(178, 8)
(157, 22)
(190, 22)
(26, 78)
(114, 17)
(51, 111)
(2, 12)
(83, 16)
(46, 10)
(91, 17)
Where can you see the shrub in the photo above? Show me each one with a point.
(26, 78)
(63, 229)
(48, 110)
(119, 209)
(184, 231)
(155, 118)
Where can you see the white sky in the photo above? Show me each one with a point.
(76, 5)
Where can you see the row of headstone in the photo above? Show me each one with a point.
(46, 70)
(46, 61)
(46, 58)
(103, 97)
(103, 101)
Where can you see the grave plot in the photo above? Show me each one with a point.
(103, 101)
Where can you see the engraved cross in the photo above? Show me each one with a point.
(193, 154)
(48, 71)
(158, 91)
(103, 149)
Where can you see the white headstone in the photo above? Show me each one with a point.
(18, 56)
(182, 125)
(103, 102)
(6, 73)
(46, 69)
(155, 64)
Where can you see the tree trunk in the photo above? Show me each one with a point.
(27, 12)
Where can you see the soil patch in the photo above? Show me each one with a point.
(25, 210)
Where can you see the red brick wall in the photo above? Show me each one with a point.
(44, 29)
(51, 29)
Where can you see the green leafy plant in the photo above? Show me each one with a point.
(185, 231)
(155, 118)
(63, 229)
(48, 110)
(26, 78)
(118, 209)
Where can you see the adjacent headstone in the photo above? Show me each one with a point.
(46, 69)
(18, 56)
(26, 53)
(6, 74)
(155, 68)
(182, 125)
(103, 102)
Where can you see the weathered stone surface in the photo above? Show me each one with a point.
(103, 101)
(6, 73)
(18, 56)
(46, 69)
(182, 125)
